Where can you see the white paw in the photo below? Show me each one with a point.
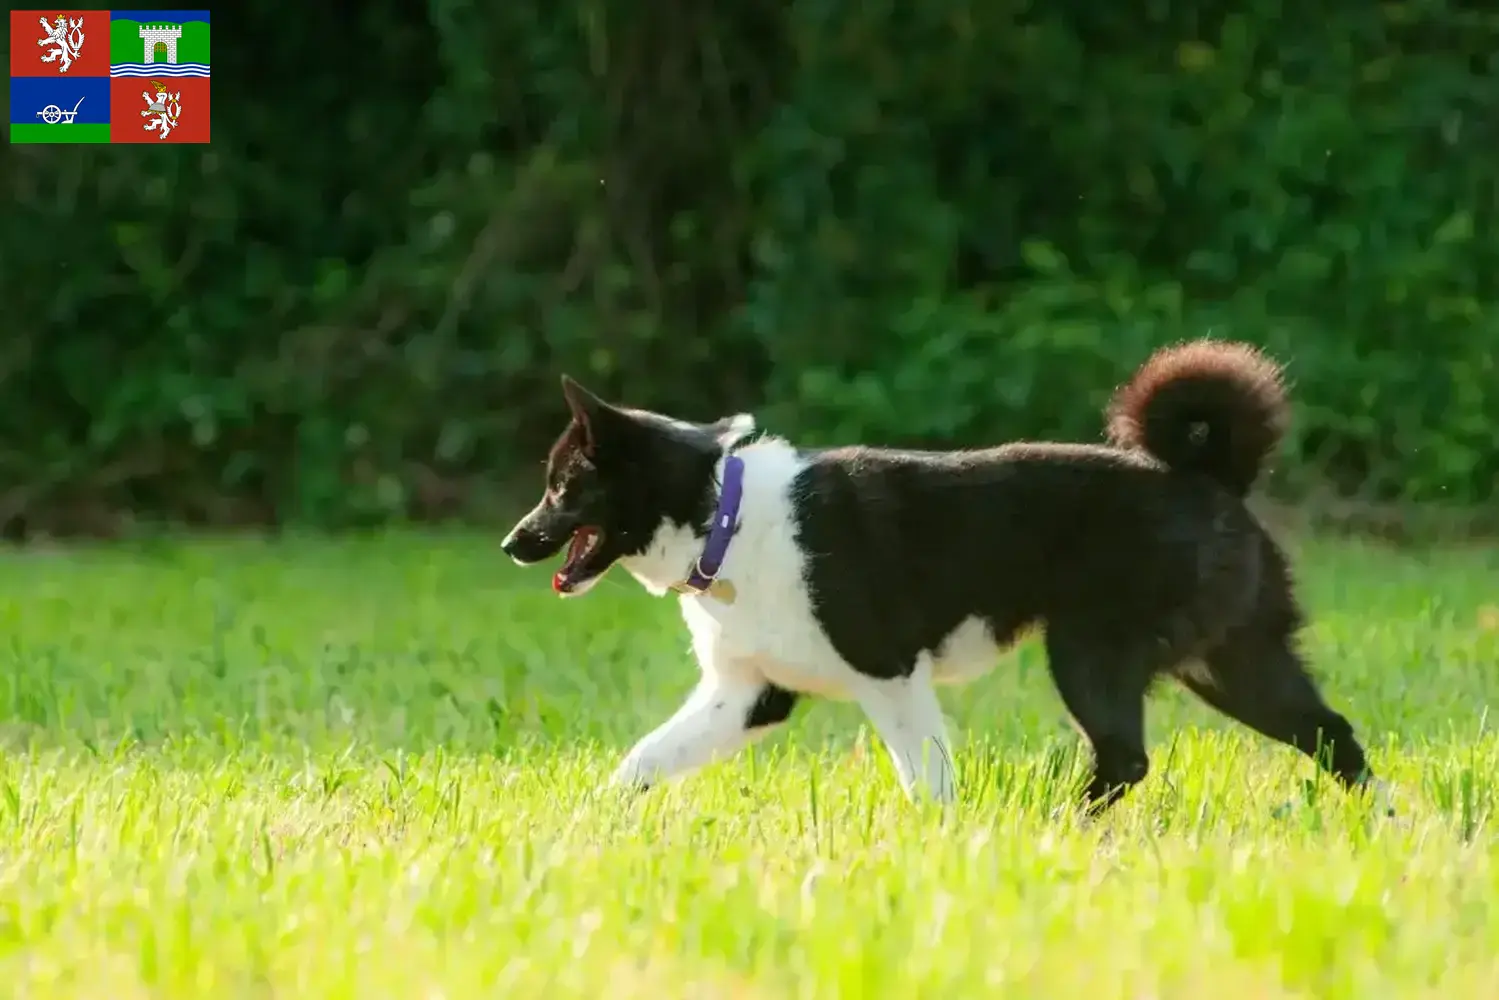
(1379, 796)
(632, 776)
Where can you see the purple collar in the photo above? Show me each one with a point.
(725, 523)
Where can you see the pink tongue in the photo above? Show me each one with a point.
(560, 582)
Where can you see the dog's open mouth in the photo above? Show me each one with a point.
(578, 569)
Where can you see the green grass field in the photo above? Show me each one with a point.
(373, 769)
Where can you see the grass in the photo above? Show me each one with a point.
(372, 769)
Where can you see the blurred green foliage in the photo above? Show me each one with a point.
(945, 222)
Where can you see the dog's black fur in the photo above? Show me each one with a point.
(1139, 559)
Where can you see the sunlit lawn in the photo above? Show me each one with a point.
(373, 769)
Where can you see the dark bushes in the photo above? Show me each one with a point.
(945, 223)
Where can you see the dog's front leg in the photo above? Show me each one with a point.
(721, 716)
(907, 715)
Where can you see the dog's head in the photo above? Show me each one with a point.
(613, 477)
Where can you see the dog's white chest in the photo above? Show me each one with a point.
(781, 641)
(771, 635)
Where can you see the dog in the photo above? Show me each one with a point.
(876, 574)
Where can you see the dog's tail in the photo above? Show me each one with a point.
(1210, 407)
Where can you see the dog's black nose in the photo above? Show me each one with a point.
(525, 547)
(511, 544)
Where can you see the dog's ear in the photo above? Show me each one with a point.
(730, 429)
(587, 409)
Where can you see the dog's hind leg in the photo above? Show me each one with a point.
(1261, 682)
(1103, 685)
(721, 716)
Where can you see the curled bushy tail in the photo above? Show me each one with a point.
(1207, 406)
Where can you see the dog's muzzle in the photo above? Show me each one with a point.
(528, 543)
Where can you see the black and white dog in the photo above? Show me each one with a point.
(876, 574)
